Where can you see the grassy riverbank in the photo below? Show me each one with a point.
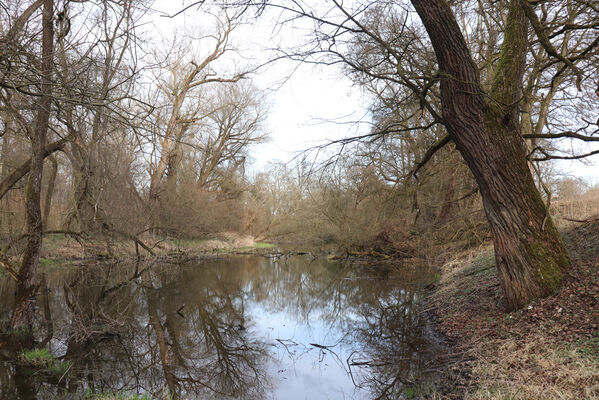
(548, 350)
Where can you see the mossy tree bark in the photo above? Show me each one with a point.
(25, 296)
(529, 252)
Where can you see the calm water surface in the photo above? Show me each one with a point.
(233, 328)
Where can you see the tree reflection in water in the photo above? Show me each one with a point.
(396, 352)
(229, 328)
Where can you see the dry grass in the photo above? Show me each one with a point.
(534, 368)
(549, 350)
(564, 210)
(60, 247)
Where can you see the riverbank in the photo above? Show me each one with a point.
(548, 350)
(60, 248)
(63, 248)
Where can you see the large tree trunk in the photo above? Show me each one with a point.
(167, 164)
(169, 145)
(529, 252)
(25, 296)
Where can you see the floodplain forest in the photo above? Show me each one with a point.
(457, 219)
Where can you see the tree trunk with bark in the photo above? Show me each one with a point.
(169, 143)
(530, 255)
(50, 190)
(25, 296)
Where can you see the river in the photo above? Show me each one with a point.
(237, 327)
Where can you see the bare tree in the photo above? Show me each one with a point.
(54, 94)
(234, 124)
(181, 87)
(24, 309)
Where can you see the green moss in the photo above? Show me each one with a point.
(422, 390)
(43, 359)
(52, 263)
(410, 392)
(548, 268)
(257, 246)
(37, 357)
(513, 52)
(47, 262)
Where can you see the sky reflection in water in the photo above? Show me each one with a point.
(240, 327)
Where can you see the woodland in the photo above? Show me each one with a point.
(114, 147)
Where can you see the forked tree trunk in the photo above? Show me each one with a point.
(25, 296)
(529, 252)
(168, 146)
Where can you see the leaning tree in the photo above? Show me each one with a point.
(530, 255)
(479, 106)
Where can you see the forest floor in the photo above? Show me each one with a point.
(548, 350)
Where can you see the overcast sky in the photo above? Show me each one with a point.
(302, 98)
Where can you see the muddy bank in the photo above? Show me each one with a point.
(64, 248)
(549, 350)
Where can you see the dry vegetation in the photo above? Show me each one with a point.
(59, 247)
(549, 350)
(576, 202)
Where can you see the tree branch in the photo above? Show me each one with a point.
(546, 43)
(438, 145)
(554, 157)
(23, 169)
(566, 134)
(5, 263)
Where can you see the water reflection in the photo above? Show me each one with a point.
(242, 328)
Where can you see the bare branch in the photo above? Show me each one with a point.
(438, 145)
(22, 170)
